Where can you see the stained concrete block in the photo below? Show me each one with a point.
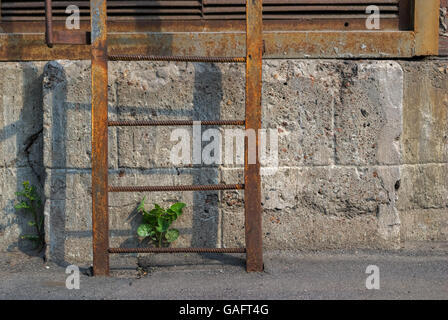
(423, 187)
(335, 112)
(21, 114)
(298, 101)
(424, 225)
(425, 132)
(67, 116)
(338, 191)
(368, 114)
(293, 229)
(309, 199)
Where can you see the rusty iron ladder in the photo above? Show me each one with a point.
(101, 123)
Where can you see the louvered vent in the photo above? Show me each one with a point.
(33, 10)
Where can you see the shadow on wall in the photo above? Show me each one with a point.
(32, 117)
(27, 162)
(206, 105)
(207, 100)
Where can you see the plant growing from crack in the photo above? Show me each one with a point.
(30, 201)
(157, 222)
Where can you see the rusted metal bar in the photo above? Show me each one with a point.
(252, 180)
(279, 45)
(144, 123)
(177, 250)
(426, 27)
(49, 23)
(176, 188)
(100, 219)
(130, 57)
(71, 37)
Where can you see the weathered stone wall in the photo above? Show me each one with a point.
(362, 152)
(423, 197)
(21, 145)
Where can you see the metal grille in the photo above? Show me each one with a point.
(33, 10)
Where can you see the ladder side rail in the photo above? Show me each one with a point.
(100, 207)
(252, 180)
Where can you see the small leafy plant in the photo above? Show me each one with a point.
(30, 201)
(156, 223)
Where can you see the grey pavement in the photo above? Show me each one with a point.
(404, 274)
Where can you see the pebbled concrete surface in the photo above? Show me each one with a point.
(407, 274)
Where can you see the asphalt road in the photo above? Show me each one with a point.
(288, 275)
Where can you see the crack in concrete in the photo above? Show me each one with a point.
(29, 142)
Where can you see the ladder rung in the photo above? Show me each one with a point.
(175, 123)
(177, 250)
(177, 188)
(137, 57)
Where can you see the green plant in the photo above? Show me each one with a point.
(156, 223)
(30, 201)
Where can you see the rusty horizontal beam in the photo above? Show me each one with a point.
(176, 188)
(177, 250)
(71, 37)
(287, 44)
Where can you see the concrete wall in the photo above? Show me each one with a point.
(21, 145)
(362, 152)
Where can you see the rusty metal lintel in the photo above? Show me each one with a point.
(71, 37)
(278, 45)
